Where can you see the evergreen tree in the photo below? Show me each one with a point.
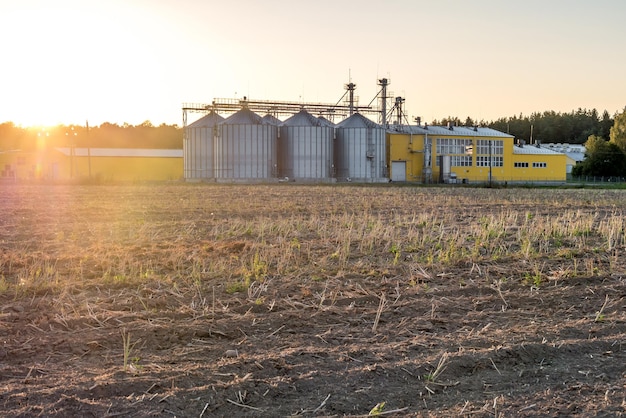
(604, 128)
(618, 131)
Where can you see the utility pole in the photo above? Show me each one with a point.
(71, 137)
(88, 149)
(490, 161)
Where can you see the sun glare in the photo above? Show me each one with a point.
(68, 65)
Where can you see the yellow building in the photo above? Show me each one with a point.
(532, 163)
(454, 154)
(16, 164)
(101, 164)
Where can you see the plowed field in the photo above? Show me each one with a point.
(286, 300)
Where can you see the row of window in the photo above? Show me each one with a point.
(451, 146)
(488, 153)
(525, 165)
(466, 161)
(448, 146)
(488, 147)
(484, 161)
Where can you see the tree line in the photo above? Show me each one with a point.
(106, 135)
(574, 127)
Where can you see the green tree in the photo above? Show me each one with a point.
(602, 159)
(604, 129)
(550, 126)
(618, 131)
(594, 144)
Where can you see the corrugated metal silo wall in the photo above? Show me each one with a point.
(186, 154)
(360, 154)
(244, 151)
(306, 152)
(198, 153)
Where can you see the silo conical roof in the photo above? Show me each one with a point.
(325, 121)
(207, 121)
(303, 118)
(271, 119)
(357, 121)
(244, 116)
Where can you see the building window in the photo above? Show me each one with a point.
(483, 161)
(540, 165)
(520, 165)
(461, 161)
(451, 146)
(489, 153)
(457, 149)
(490, 147)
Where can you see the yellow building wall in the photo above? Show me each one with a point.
(129, 168)
(475, 173)
(55, 166)
(555, 169)
(35, 165)
(8, 166)
(410, 148)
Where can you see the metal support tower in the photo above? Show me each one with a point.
(399, 111)
(279, 108)
(383, 82)
(350, 87)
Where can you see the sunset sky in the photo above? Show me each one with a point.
(68, 61)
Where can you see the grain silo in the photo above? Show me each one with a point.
(325, 121)
(245, 148)
(360, 150)
(271, 119)
(306, 148)
(198, 148)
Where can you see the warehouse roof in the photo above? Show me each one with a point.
(454, 131)
(533, 150)
(122, 152)
(574, 151)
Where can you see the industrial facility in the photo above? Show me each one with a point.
(246, 141)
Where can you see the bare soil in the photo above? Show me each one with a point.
(85, 268)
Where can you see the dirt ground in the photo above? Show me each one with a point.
(427, 340)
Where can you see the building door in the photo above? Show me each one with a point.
(398, 171)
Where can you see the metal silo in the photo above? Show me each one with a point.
(271, 119)
(360, 150)
(198, 147)
(306, 148)
(325, 121)
(245, 148)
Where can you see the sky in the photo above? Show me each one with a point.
(130, 61)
